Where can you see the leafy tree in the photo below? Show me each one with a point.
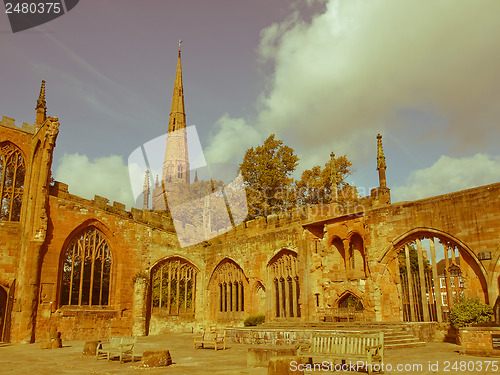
(470, 311)
(267, 170)
(314, 186)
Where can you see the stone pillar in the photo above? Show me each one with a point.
(410, 283)
(27, 298)
(425, 305)
(449, 293)
(437, 290)
(295, 299)
(140, 308)
(287, 297)
(347, 255)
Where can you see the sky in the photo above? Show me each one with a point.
(323, 76)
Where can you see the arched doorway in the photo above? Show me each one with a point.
(432, 271)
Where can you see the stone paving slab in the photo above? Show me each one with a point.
(434, 358)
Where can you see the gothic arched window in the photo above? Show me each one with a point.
(173, 286)
(179, 171)
(12, 171)
(86, 270)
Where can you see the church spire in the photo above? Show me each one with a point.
(176, 162)
(41, 106)
(381, 166)
(177, 118)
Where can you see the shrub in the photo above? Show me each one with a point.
(254, 320)
(470, 311)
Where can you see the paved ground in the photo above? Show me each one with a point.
(434, 358)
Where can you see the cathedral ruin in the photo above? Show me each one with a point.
(90, 268)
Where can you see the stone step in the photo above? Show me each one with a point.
(404, 345)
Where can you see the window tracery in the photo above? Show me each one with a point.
(86, 273)
(173, 287)
(12, 173)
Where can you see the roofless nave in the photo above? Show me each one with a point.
(91, 269)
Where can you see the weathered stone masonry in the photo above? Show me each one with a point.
(89, 269)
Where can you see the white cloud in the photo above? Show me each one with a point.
(345, 76)
(448, 175)
(105, 176)
(232, 138)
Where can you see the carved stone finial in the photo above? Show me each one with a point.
(381, 166)
(146, 191)
(380, 154)
(333, 178)
(41, 106)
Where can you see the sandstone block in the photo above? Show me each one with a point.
(156, 358)
(282, 366)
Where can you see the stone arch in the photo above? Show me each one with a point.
(12, 178)
(494, 275)
(356, 255)
(431, 269)
(173, 286)
(346, 296)
(86, 268)
(334, 259)
(108, 233)
(228, 290)
(283, 276)
(258, 298)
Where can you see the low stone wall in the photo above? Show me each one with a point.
(268, 336)
(425, 331)
(478, 340)
(432, 331)
(75, 324)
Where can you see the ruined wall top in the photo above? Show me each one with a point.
(155, 219)
(11, 123)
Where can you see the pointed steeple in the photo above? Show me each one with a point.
(41, 106)
(177, 118)
(195, 176)
(146, 191)
(381, 166)
(176, 162)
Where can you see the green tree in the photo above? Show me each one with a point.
(314, 186)
(267, 170)
(469, 311)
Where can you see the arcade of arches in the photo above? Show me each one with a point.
(432, 272)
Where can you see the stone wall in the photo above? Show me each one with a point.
(478, 340)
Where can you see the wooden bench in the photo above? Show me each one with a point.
(122, 347)
(332, 346)
(216, 338)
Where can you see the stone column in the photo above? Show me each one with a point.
(437, 290)
(410, 283)
(449, 293)
(295, 299)
(425, 306)
(139, 310)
